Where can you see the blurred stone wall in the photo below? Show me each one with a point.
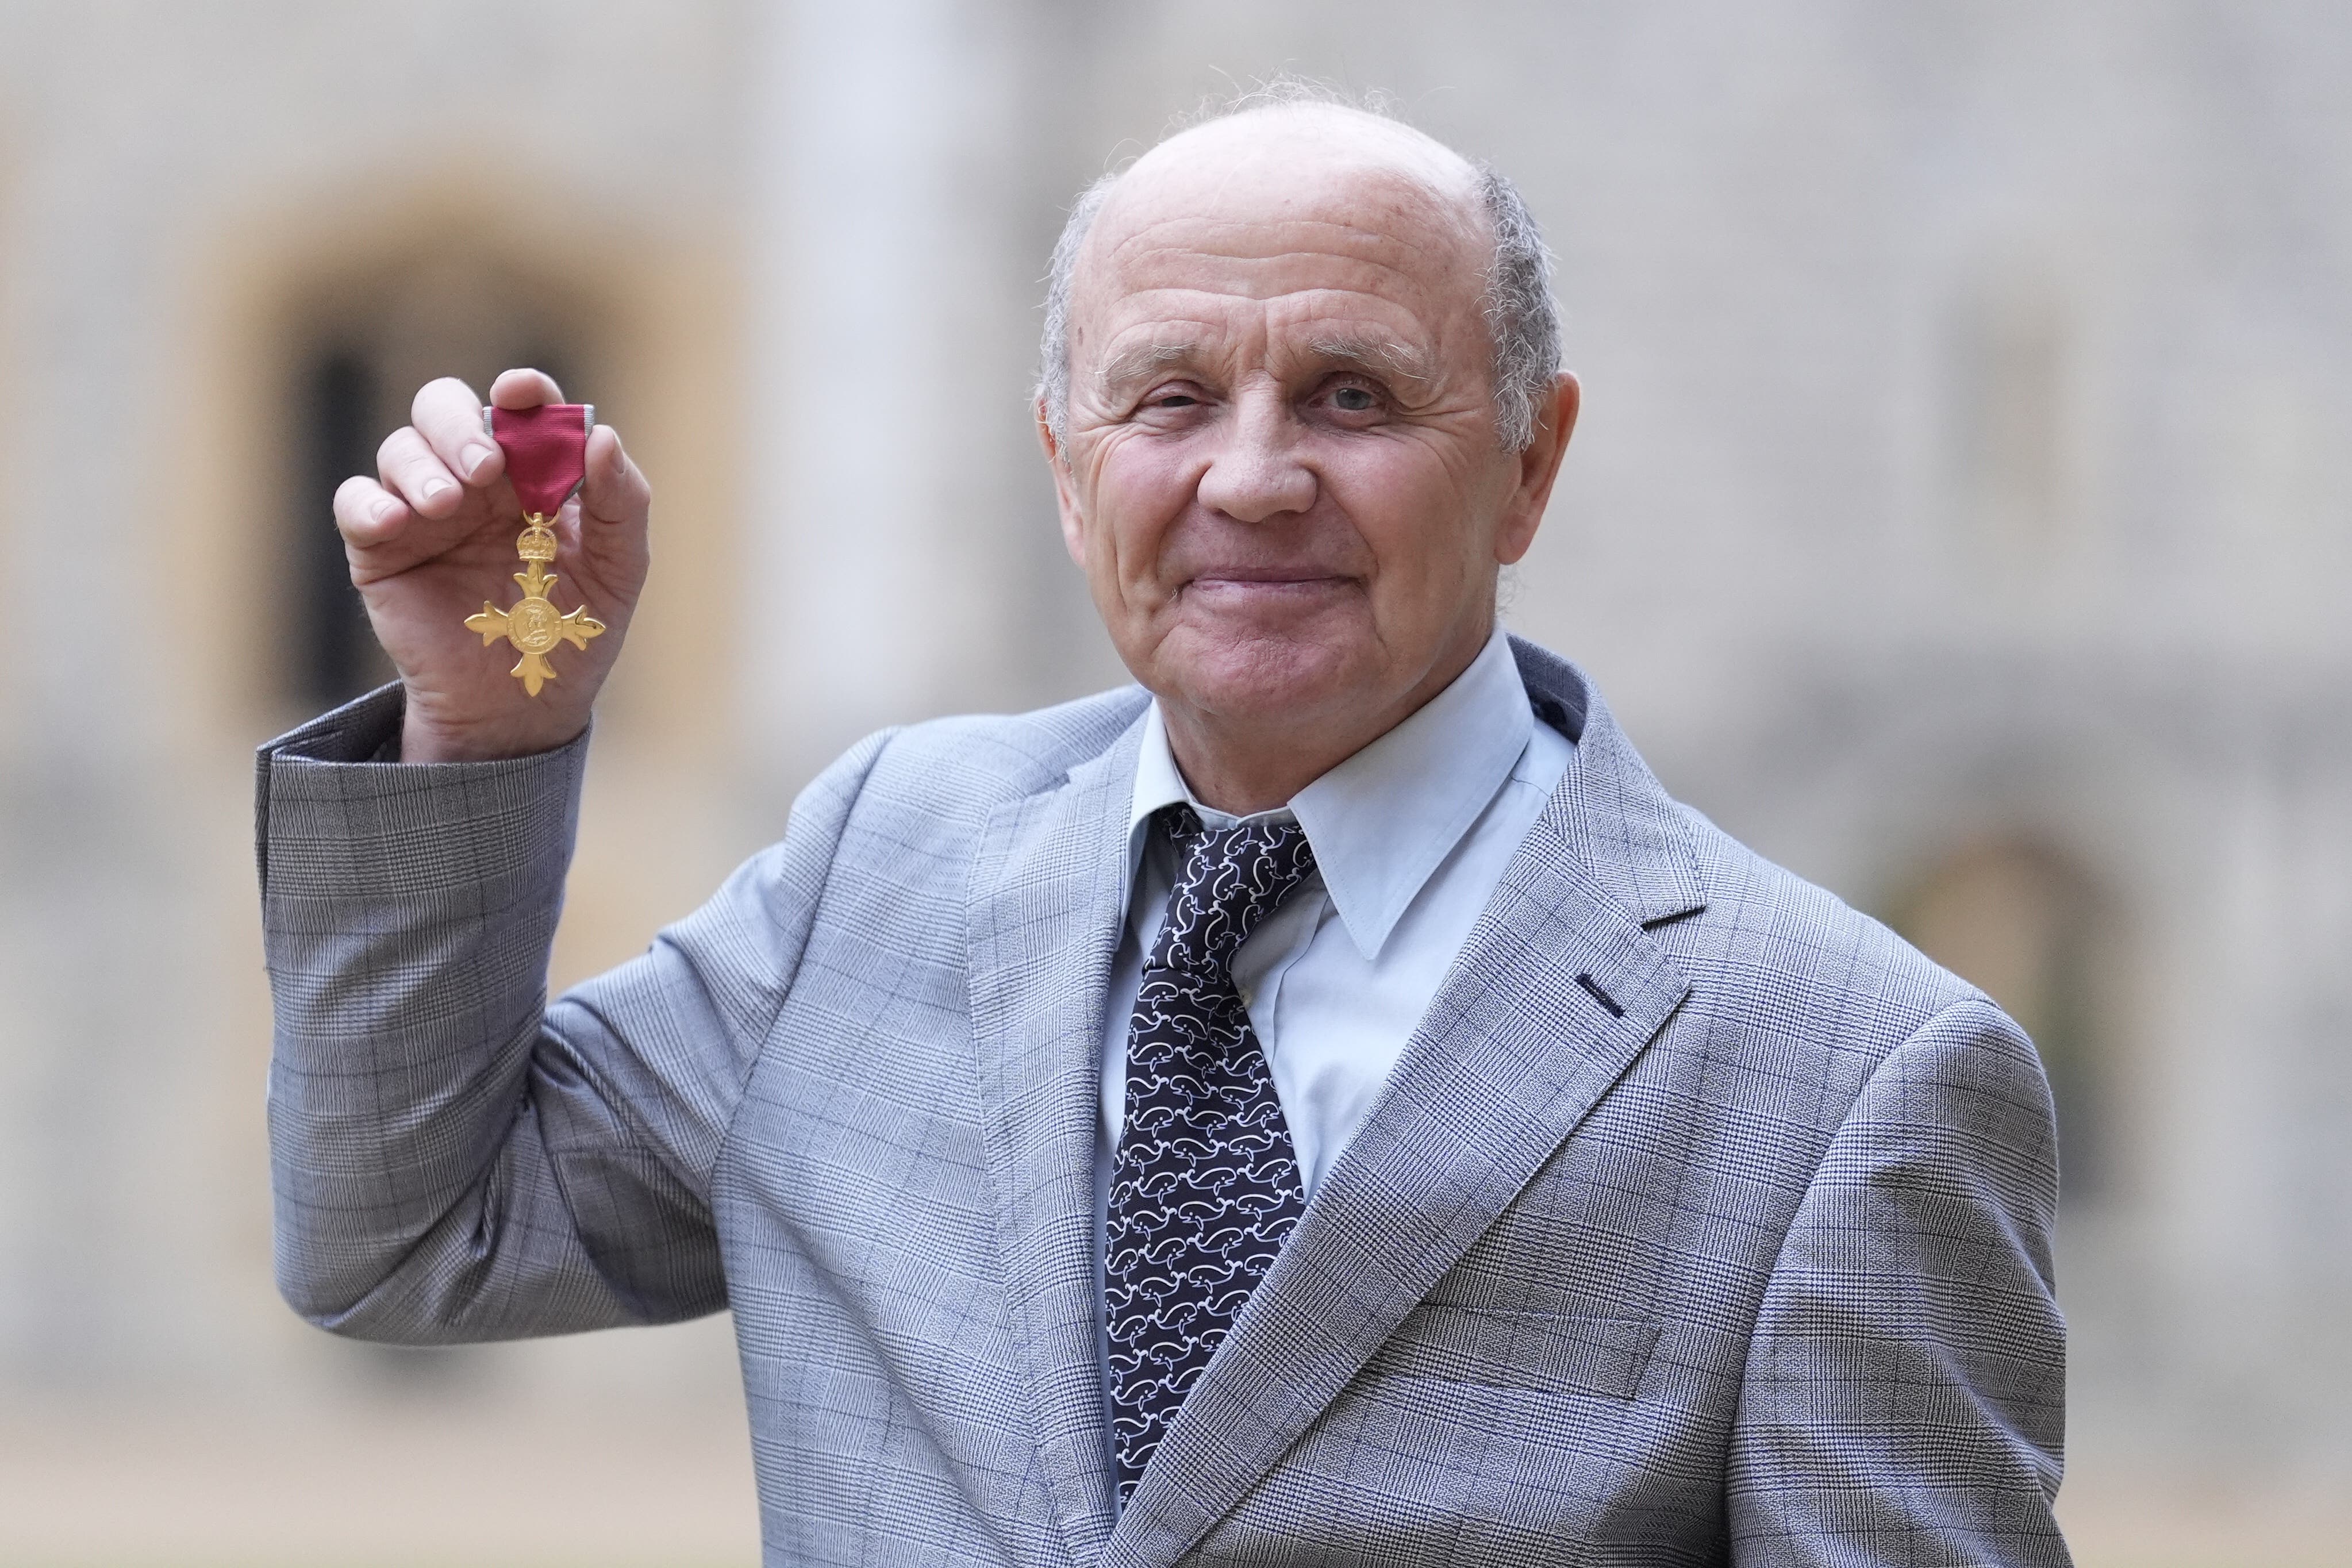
(1960, 515)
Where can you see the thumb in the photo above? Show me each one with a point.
(616, 490)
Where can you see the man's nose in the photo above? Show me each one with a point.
(1256, 473)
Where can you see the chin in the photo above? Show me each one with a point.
(1262, 678)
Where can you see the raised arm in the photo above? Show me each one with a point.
(452, 1159)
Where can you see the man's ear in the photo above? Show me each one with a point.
(1074, 533)
(1555, 422)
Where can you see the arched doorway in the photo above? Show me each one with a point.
(2028, 925)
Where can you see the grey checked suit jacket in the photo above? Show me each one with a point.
(1702, 1221)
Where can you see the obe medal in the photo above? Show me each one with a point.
(547, 460)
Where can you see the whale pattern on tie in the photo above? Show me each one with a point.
(1205, 1187)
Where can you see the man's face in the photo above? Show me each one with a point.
(1280, 472)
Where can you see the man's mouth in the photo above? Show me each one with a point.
(1263, 578)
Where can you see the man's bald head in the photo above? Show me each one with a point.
(1294, 141)
(1312, 139)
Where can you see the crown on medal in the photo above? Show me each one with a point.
(537, 541)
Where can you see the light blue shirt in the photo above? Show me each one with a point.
(1411, 837)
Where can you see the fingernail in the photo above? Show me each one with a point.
(476, 456)
(382, 512)
(436, 488)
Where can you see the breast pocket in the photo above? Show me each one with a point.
(1542, 1351)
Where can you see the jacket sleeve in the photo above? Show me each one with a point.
(454, 1158)
(1904, 1399)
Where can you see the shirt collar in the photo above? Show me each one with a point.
(1384, 820)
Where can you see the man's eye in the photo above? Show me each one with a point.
(1354, 400)
(1174, 400)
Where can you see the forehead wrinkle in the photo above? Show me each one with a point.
(1382, 217)
(1228, 240)
(1300, 328)
(1206, 289)
(1337, 169)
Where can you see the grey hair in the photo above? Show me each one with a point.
(1522, 316)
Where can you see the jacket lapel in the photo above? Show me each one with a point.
(1619, 822)
(1558, 990)
(1049, 894)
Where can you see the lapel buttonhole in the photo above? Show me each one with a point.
(1593, 987)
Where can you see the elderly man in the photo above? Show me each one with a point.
(1324, 1103)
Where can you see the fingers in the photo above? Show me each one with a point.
(424, 469)
(615, 491)
(368, 514)
(449, 416)
(413, 470)
(524, 389)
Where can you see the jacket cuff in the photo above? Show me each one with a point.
(336, 814)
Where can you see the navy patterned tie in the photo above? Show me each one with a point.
(1205, 1187)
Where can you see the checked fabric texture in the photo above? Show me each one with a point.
(1757, 1272)
(1206, 1189)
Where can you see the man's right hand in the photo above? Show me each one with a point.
(433, 536)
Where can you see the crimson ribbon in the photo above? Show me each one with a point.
(547, 451)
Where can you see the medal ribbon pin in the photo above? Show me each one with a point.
(547, 460)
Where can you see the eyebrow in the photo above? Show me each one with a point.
(1384, 357)
(1139, 361)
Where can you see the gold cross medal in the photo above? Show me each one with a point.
(547, 460)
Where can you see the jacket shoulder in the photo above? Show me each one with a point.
(1800, 961)
(956, 771)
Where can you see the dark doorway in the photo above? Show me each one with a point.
(2031, 928)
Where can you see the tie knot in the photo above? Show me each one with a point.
(1229, 881)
